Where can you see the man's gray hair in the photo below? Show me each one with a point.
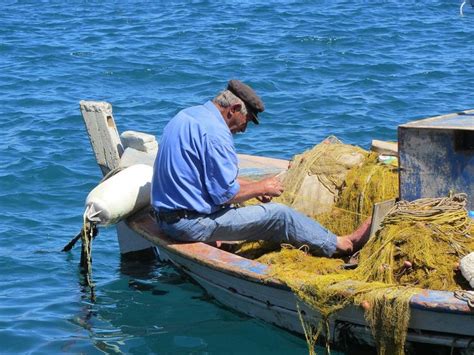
(226, 98)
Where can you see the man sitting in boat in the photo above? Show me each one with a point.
(195, 186)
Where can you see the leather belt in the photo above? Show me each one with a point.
(173, 216)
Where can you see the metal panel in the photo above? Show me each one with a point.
(434, 163)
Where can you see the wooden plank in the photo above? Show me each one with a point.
(278, 305)
(387, 148)
(255, 167)
(380, 210)
(255, 162)
(103, 134)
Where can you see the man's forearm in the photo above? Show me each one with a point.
(248, 190)
(245, 181)
(269, 187)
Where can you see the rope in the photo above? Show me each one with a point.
(351, 212)
(72, 243)
(87, 233)
(86, 250)
(433, 211)
(466, 296)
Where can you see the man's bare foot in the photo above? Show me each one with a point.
(361, 235)
(226, 245)
(350, 243)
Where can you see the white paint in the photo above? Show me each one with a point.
(108, 148)
(129, 240)
(132, 157)
(140, 141)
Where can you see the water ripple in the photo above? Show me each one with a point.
(345, 68)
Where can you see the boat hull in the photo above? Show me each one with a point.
(246, 286)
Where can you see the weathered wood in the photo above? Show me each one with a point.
(387, 148)
(380, 210)
(103, 134)
(108, 149)
(255, 162)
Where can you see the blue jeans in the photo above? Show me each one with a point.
(271, 221)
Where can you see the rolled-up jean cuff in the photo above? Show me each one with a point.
(328, 247)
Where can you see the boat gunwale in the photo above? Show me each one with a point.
(143, 223)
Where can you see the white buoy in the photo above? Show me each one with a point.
(121, 195)
(466, 265)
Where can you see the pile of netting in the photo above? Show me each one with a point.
(418, 246)
(337, 184)
(364, 185)
(316, 178)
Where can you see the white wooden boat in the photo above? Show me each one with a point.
(437, 317)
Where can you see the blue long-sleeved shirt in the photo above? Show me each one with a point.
(196, 167)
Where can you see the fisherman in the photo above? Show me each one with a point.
(196, 188)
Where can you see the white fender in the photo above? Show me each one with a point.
(120, 196)
(467, 268)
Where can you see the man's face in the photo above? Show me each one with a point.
(238, 121)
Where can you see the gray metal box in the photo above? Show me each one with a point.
(437, 156)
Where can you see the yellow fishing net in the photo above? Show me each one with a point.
(325, 286)
(365, 185)
(315, 179)
(350, 179)
(420, 244)
(418, 247)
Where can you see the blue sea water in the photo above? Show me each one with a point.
(355, 69)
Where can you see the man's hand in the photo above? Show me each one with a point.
(264, 198)
(271, 187)
(264, 190)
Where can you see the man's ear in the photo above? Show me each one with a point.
(235, 108)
